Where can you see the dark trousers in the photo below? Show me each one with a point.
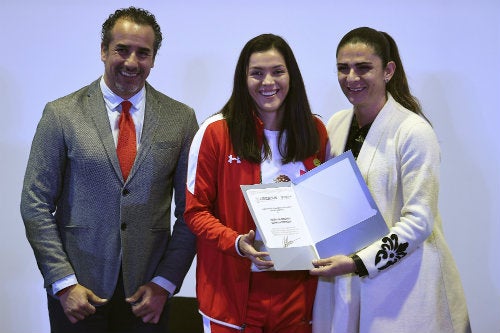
(114, 316)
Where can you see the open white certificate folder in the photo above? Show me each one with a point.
(328, 210)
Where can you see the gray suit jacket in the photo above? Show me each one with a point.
(82, 218)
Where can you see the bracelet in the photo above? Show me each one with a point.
(360, 266)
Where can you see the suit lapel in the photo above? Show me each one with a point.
(375, 138)
(150, 122)
(97, 109)
(340, 134)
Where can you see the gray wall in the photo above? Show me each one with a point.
(450, 50)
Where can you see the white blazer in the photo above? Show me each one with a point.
(413, 284)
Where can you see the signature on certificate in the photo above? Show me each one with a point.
(287, 242)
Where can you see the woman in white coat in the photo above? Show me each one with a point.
(406, 281)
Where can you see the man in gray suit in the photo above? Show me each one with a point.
(101, 237)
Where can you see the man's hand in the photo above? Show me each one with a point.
(78, 302)
(148, 302)
(333, 266)
(245, 245)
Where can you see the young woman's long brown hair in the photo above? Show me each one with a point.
(302, 138)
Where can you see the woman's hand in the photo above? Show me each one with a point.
(333, 266)
(260, 259)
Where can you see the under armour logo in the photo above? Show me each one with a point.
(230, 159)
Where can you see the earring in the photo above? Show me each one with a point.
(386, 79)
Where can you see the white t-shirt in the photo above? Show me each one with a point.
(271, 169)
(274, 171)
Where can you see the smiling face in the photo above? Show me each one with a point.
(128, 58)
(268, 83)
(363, 77)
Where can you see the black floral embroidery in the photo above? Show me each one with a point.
(391, 251)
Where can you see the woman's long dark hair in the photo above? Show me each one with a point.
(302, 138)
(386, 49)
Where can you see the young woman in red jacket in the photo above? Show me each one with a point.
(265, 133)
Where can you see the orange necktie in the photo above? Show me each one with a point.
(127, 144)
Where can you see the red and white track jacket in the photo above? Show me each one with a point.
(216, 212)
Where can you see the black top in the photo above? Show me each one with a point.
(356, 137)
